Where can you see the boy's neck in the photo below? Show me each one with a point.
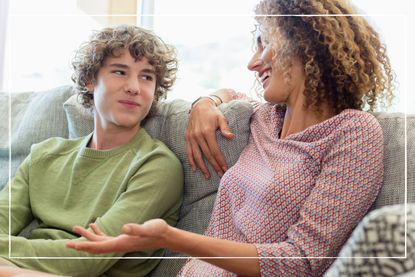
(106, 139)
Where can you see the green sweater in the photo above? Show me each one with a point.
(63, 183)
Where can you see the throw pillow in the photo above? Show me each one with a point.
(377, 245)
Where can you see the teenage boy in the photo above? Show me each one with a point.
(116, 175)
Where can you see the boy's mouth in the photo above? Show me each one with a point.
(129, 103)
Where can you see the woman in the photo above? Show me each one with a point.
(313, 164)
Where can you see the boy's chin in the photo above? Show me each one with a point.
(129, 122)
(133, 125)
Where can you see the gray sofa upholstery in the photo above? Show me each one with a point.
(43, 114)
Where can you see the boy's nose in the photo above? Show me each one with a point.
(133, 86)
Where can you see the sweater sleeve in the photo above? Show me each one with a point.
(155, 191)
(20, 212)
(350, 178)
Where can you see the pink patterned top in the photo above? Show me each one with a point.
(300, 196)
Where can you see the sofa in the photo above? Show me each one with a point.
(383, 243)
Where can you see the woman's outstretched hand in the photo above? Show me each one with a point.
(204, 120)
(134, 237)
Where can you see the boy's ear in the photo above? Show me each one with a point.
(90, 87)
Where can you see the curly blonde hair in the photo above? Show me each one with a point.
(345, 63)
(106, 43)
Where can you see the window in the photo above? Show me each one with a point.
(44, 34)
(213, 46)
(213, 39)
(214, 43)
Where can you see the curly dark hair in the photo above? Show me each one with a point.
(107, 42)
(345, 63)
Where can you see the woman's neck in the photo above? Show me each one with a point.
(297, 118)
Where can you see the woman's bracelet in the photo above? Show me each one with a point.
(212, 97)
(215, 96)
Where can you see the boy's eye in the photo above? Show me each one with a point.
(119, 72)
(147, 77)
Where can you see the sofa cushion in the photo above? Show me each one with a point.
(15, 105)
(35, 117)
(393, 188)
(377, 246)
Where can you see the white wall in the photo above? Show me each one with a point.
(4, 7)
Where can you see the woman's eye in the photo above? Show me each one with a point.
(258, 42)
(261, 43)
(259, 47)
(264, 42)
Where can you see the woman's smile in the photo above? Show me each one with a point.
(265, 78)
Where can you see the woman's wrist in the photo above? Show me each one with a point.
(170, 239)
(225, 94)
(216, 100)
(182, 241)
(204, 99)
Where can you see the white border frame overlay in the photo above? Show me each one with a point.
(210, 15)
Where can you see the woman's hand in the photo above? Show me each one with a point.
(11, 271)
(204, 120)
(135, 237)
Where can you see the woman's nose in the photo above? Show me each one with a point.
(255, 63)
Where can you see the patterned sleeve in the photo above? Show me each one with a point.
(349, 180)
(242, 96)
